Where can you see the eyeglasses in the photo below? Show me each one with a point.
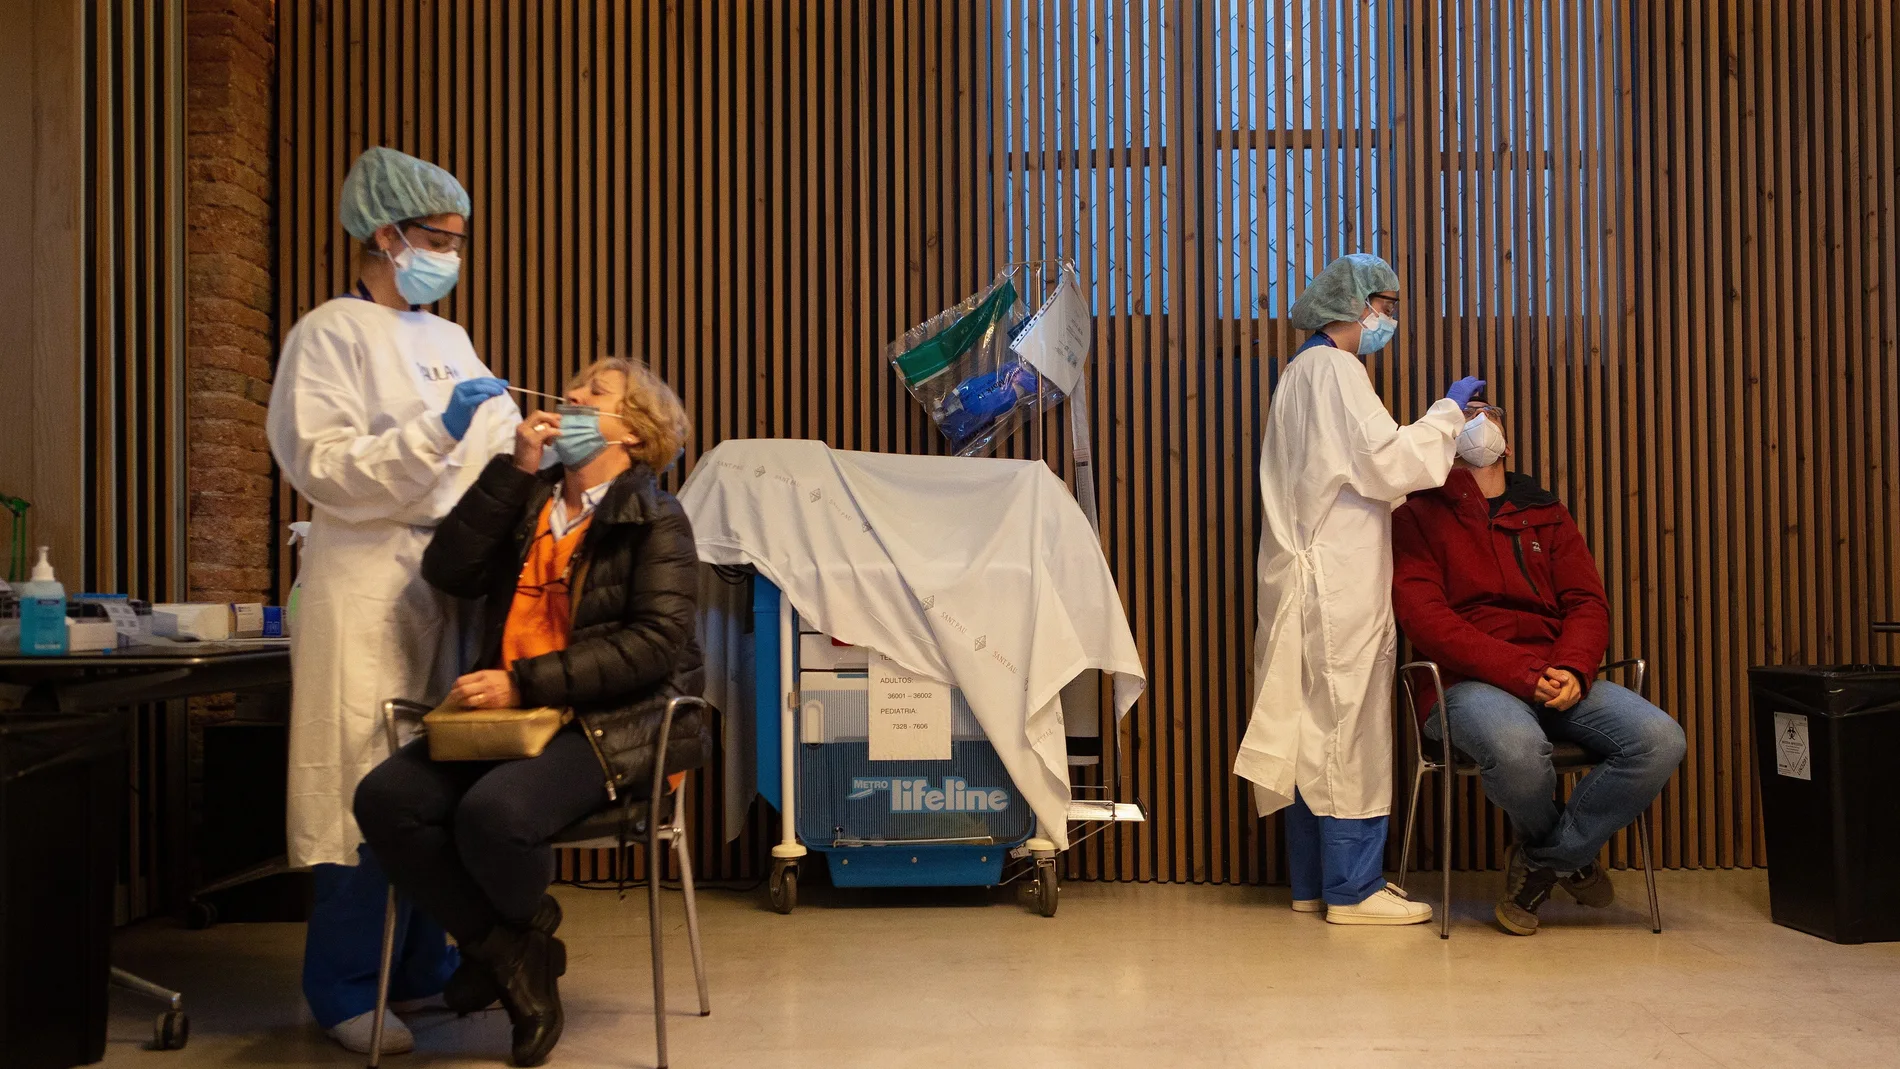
(443, 240)
(1479, 408)
(557, 585)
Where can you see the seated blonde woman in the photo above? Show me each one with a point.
(589, 574)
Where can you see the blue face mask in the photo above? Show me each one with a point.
(1375, 331)
(424, 276)
(580, 440)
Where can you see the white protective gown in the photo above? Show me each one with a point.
(1333, 466)
(356, 425)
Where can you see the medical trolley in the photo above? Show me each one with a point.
(903, 823)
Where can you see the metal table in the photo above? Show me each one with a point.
(111, 679)
(122, 679)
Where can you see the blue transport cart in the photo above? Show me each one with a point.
(905, 823)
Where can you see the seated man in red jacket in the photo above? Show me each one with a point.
(1492, 580)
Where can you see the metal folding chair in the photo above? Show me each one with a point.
(1569, 760)
(659, 819)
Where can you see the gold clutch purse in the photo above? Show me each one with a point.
(458, 734)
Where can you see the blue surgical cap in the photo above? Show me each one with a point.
(385, 186)
(1338, 294)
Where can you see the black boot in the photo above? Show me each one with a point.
(472, 988)
(526, 964)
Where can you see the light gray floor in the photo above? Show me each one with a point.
(1124, 975)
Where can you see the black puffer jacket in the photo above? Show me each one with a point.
(633, 645)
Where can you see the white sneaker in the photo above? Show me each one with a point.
(1389, 906)
(354, 1034)
(1309, 905)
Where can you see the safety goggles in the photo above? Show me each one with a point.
(448, 240)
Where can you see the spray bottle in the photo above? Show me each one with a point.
(43, 612)
(299, 537)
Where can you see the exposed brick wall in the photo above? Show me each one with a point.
(230, 279)
(229, 296)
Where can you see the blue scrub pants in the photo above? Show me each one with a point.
(344, 944)
(1338, 859)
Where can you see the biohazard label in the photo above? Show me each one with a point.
(1791, 746)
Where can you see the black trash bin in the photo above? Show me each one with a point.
(1827, 751)
(62, 797)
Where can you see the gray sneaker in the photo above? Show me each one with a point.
(1590, 886)
(1525, 890)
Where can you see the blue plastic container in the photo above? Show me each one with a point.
(882, 823)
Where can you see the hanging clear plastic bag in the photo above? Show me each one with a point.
(959, 364)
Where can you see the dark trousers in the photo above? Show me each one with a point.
(467, 841)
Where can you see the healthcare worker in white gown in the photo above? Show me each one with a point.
(1333, 466)
(381, 416)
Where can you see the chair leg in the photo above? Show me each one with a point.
(382, 981)
(1649, 872)
(1447, 780)
(1411, 823)
(685, 855)
(656, 863)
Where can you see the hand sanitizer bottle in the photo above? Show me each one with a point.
(43, 612)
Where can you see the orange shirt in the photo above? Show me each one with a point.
(541, 615)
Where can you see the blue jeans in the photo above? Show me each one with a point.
(343, 945)
(1638, 745)
(1339, 859)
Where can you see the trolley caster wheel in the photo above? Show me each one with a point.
(785, 889)
(1048, 890)
(200, 915)
(172, 1031)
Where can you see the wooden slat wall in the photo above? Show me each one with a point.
(132, 301)
(1763, 289)
(132, 359)
(1664, 231)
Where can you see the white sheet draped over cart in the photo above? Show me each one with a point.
(981, 572)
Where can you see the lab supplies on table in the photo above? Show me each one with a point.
(217, 621)
(97, 623)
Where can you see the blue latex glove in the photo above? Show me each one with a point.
(469, 395)
(1465, 389)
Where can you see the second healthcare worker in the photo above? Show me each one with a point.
(381, 416)
(1333, 466)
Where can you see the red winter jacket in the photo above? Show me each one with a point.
(1497, 598)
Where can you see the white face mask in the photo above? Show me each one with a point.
(424, 276)
(1481, 443)
(1375, 331)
